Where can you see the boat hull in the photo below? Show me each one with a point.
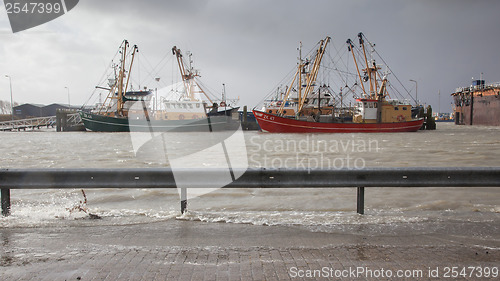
(100, 123)
(480, 110)
(275, 124)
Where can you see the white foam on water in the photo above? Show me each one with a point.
(295, 218)
(40, 208)
(57, 215)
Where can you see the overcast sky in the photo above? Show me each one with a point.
(250, 45)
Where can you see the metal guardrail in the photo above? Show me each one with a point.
(251, 178)
(38, 122)
(31, 123)
(74, 118)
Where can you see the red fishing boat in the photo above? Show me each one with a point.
(277, 124)
(306, 108)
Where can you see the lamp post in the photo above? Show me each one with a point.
(416, 90)
(156, 95)
(11, 102)
(69, 104)
(439, 101)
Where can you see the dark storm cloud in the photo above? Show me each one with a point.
(251, 45)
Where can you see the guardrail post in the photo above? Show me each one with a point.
(184, 201)
(361, 201)
(5, 202)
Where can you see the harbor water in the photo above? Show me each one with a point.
(318, 210)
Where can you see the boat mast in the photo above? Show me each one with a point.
(311, 77)
(351, 49)
(282, 106)
(368, 69)
(123, 90)
(224, 95)
(117, 88)
(188, 76)
(185, 77)
(135, 50)
(299, 82)
(121, 76)
(371, 70)
(382, 89)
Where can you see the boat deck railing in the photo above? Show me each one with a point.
(251, 178)
(469, 89)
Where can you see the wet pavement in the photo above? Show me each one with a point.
(193, 250)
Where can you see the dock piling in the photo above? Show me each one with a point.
(245, 116)
(61, 120)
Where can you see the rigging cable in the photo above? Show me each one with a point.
(293, 70)
(389, 68)
(104, 75)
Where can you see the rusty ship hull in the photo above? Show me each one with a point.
(478, 104)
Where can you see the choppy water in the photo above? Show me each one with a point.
(315, 209)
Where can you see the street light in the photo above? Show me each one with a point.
(156, 95)
(69, 104)
(11, 102)
(416, 90)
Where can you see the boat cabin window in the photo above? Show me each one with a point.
(396, 108)
(323, 101)
(197, 105)
(375, 105)
(405, 108)
(190, 106)
(371, 104)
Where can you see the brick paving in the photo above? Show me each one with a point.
(184, 250)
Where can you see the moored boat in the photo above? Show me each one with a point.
(478, 104)
(127, 110)
(305, 107)
(276, 124)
